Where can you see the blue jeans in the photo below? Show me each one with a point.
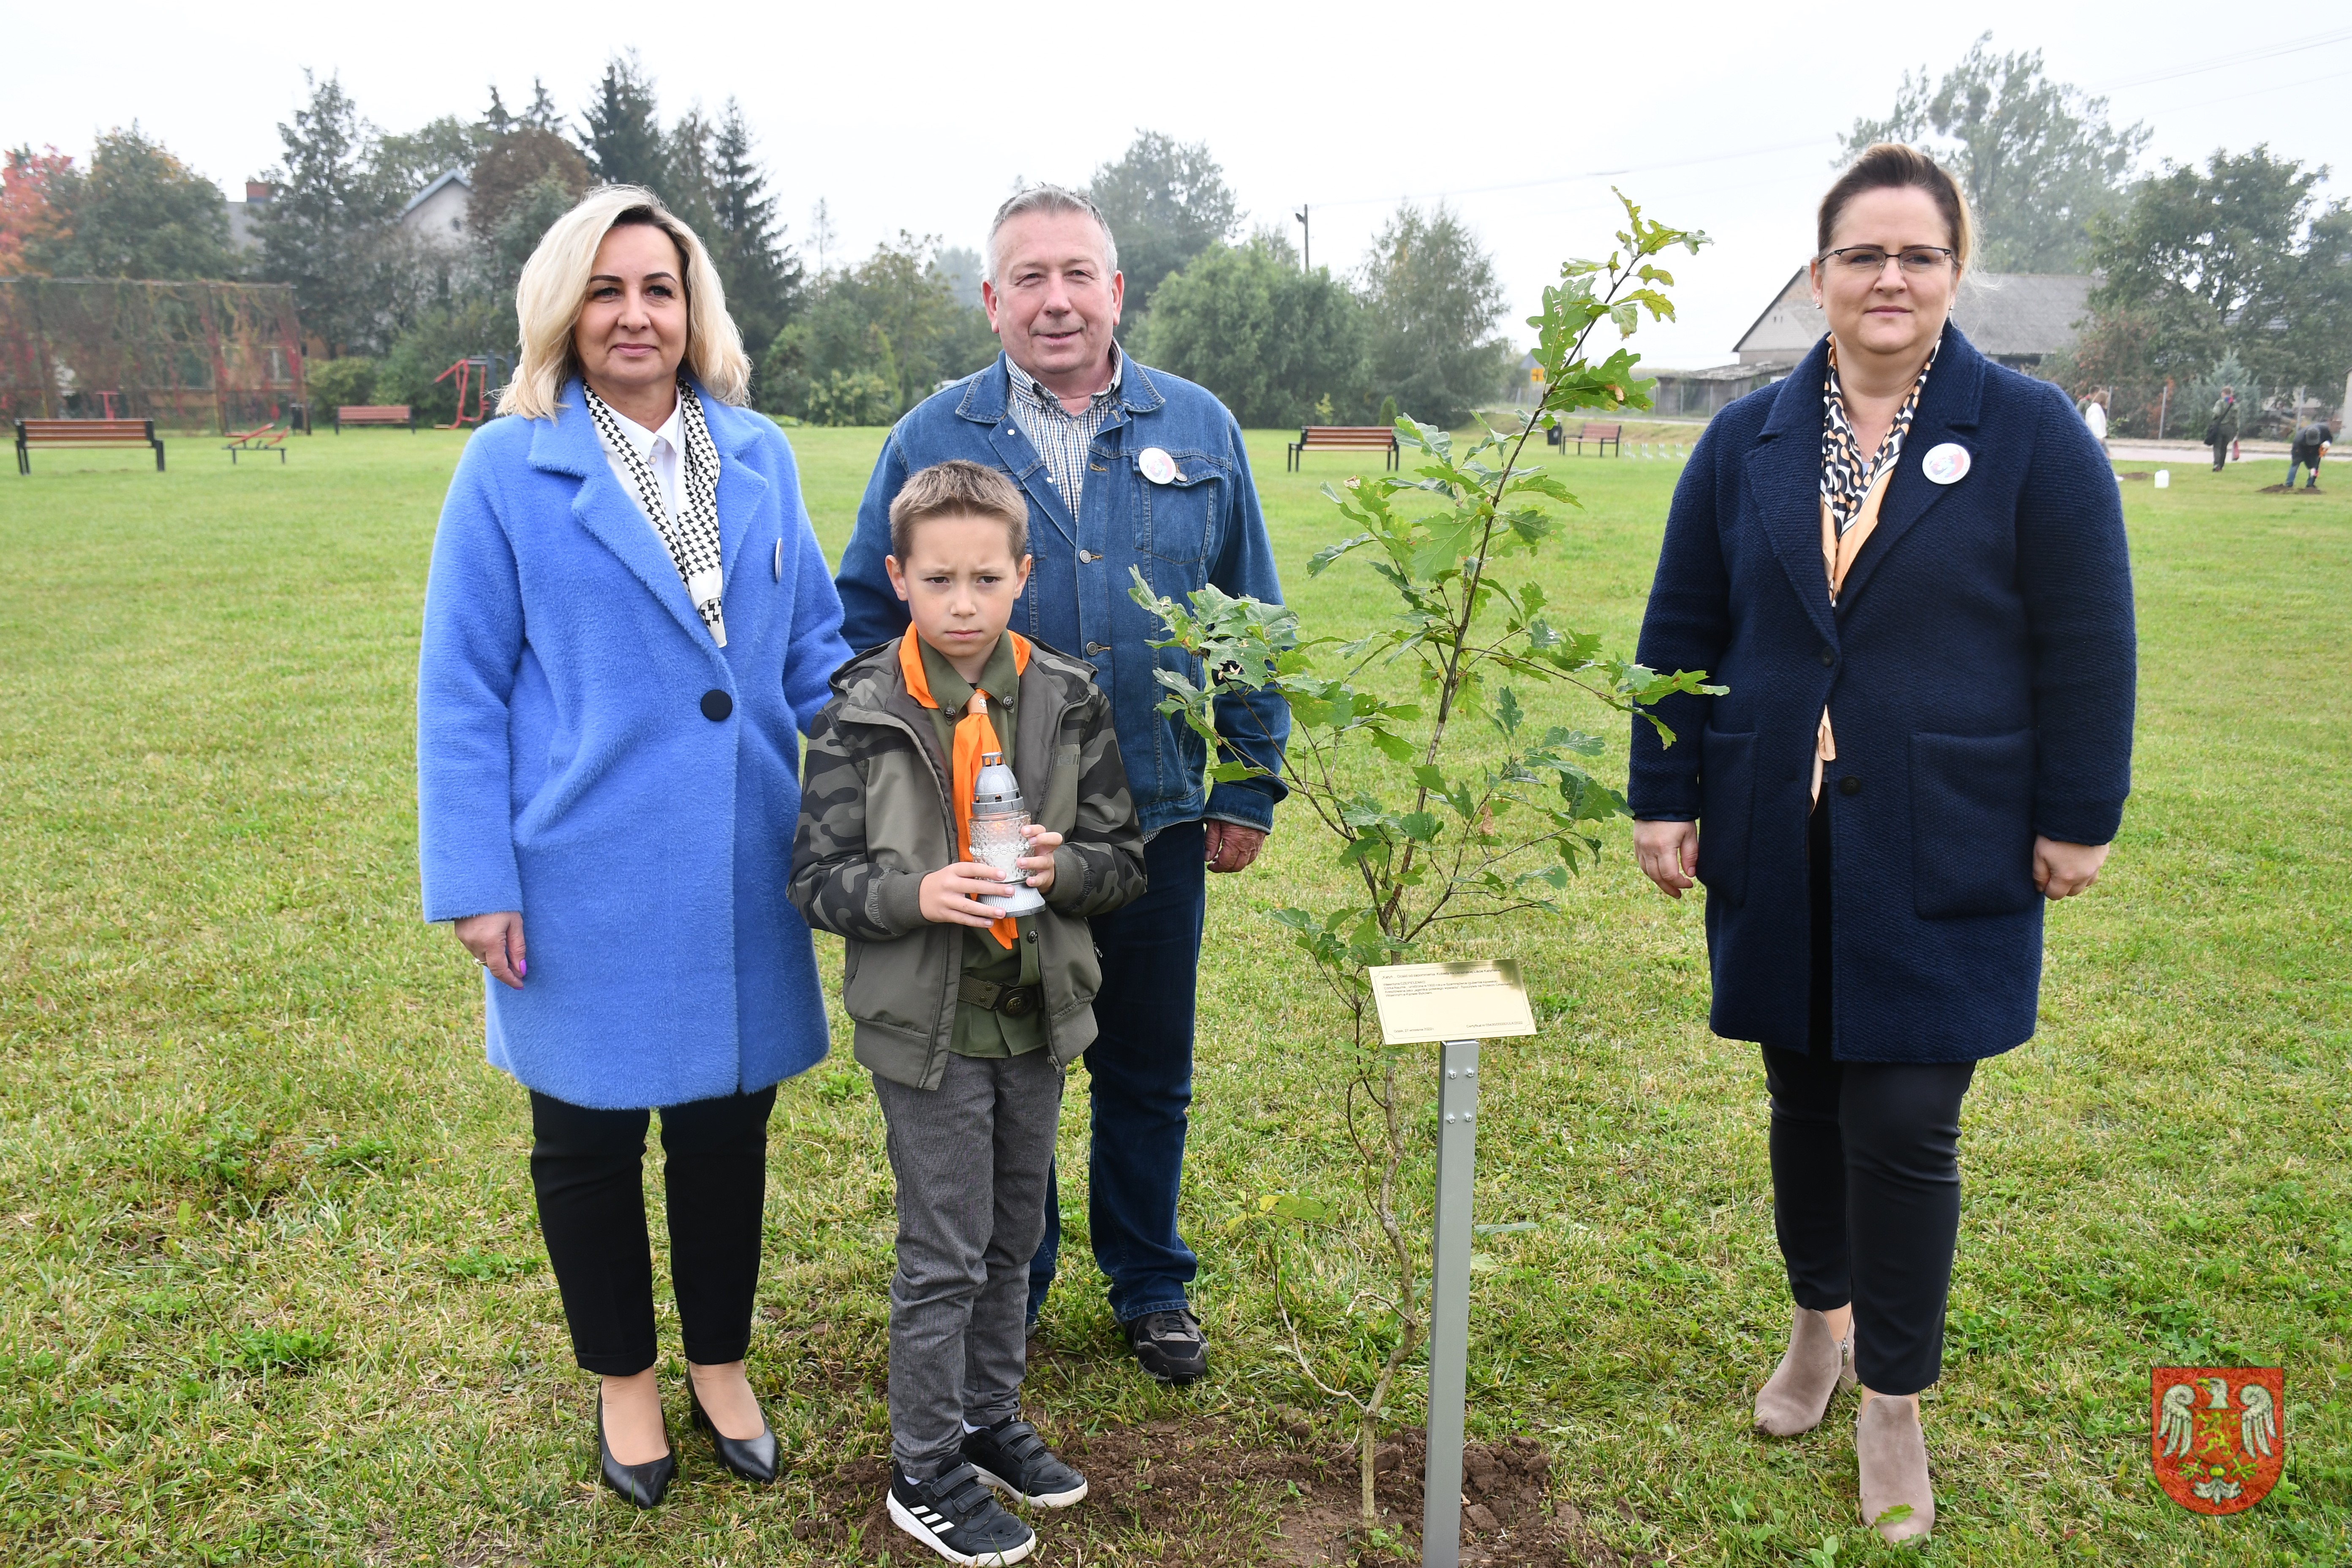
(1139, 1070)
(2294, 463)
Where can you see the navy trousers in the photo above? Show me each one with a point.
(1139, 1073)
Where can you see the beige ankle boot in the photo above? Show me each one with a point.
(1816, 1366)
(1892, 1454)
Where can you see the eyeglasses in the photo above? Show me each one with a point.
(1868, 260)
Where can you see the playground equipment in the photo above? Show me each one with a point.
(473, 375)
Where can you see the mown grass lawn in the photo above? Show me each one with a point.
(270, 1284)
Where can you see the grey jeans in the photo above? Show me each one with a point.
(970, 1159)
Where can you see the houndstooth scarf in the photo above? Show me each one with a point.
(692, 536)
(1844, 481)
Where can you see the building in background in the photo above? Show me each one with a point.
(244, 216)
(435, 215)
(2019, 319)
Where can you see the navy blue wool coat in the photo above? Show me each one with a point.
(587, 754)
(1979, 670)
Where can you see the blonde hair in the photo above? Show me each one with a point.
(959, 488)
(554, 287)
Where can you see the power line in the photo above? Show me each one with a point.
(1588, 174)
(2244, 57)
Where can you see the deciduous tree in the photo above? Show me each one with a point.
(1166, 202)
(2238, 256)
(1269, 340)
(26, 214)
(1433, 299)
(2037, 158)
(136, 212)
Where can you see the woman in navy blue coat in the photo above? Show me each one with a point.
(627, 623)
(1906, 564)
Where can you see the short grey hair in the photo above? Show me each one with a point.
(1052, 201)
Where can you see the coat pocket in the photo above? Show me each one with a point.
(1972, 825)
(1727, 783)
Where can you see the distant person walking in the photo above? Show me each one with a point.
(2095, 416)
(2221, 429)
(2311, 443)
(1875, 893)
(628, 622)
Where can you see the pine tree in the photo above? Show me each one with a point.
(542, 114)
(320, 233)
(623, 140)
(497, 119)
(761, 274)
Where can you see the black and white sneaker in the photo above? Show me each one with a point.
(1012, 1458)
(957, 1516)
(1168, 1345)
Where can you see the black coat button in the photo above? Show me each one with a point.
(1829, 657)
(717, 705)
(1849, 785)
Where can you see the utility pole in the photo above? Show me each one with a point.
(1306, 241)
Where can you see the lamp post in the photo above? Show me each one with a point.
(1306, 241)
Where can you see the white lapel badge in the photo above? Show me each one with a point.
(1157, 465)
(1946, 464)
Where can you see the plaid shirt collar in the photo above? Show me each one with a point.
(1029, 387)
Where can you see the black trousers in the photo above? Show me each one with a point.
(1867, 1181)
(587, 1169)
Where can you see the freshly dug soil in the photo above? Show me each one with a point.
(2293, 490)
(1190, 1495)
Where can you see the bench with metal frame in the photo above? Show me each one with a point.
(375, 413)
(1602, 437)
(1343, 437)
(32, 433)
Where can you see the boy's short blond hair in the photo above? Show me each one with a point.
(959, 488)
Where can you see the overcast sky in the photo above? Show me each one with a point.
(922, 117)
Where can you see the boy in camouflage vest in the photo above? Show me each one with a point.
(967, 1017)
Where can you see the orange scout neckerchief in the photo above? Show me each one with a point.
(975, 735)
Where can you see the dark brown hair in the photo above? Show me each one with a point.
(1891, 165)
(959, 488)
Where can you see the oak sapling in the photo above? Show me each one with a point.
(1375, 754)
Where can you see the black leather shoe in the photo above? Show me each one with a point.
(753, 1458)
(1168, 1345)
(645, 1485)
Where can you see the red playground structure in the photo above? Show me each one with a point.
(473, 375)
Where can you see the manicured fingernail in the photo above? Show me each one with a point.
(522, 969)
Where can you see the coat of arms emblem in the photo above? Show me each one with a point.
(2216, 1434)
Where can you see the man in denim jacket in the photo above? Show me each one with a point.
(1126, 470)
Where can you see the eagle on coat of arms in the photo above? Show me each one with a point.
(2217, 1438)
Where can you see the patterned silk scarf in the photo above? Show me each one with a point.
(975, 736)
(1845, 482)
(1850, 496)
(691, 536)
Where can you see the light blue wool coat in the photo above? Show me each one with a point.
(566, 767)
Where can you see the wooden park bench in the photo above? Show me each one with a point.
(375, 413)
(257, 440)
(1602, 437)
(1344, 437)
(32, 433)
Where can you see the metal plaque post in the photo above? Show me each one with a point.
(1449, 1306)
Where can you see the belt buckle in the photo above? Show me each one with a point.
(1017, 1002)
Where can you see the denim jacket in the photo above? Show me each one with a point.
(1202, 527)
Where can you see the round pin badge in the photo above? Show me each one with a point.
(1158, 466)
(1946, 464)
